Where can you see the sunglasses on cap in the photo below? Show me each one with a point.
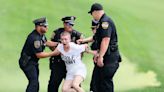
(44, 26)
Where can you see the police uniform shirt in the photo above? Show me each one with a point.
(106, 28)
(35, 43)
(94, 44)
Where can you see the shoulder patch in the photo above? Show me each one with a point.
(105, 25)
(37, 44)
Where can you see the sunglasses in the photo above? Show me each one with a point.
(68, 24)
(45, 26)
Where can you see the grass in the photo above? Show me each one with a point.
(139, 25)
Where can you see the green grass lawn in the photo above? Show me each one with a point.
(140, 28)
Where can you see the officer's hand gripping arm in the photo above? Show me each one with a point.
(51, 44)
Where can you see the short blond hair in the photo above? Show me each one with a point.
(65, 34)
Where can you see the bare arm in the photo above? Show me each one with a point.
(47, 54)
(56, 52)
(93, 52)
(89, 51)
(51, 44)
(89, 39)
(43, 54)
(103, 48)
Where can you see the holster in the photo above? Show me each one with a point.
(25, 59)
(113, 48)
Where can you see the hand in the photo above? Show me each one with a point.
(87, 50)
(95, 52)
(95, 58)
(51, 43)
(100, 61)
(79, 41)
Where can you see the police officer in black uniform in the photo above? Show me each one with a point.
(57, 66)
(32, 51)
(108, 57)
(93, 47)
(94, 28)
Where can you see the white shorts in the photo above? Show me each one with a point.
(80, 70)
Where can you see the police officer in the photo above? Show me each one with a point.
(94, 27)
(32, 51)
(57, 66)
(107, 58)
(93, 46)
(91, 38)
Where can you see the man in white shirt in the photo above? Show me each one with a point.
(71, 55)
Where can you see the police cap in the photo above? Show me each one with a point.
(95, 7)
(41, 21)
(69, 19)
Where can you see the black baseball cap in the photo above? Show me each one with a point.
(95, 7)
(41, 21)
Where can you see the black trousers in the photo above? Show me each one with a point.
(92, 83)
(102, 78)
(58, 73)
(31, 71)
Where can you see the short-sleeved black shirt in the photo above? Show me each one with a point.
(94, 44)
(106, 28)
(35, 43)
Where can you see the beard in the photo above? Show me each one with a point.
(43, 31)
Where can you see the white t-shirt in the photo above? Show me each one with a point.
(72, 58)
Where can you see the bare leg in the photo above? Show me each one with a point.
(67, 86)
(76, 83)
